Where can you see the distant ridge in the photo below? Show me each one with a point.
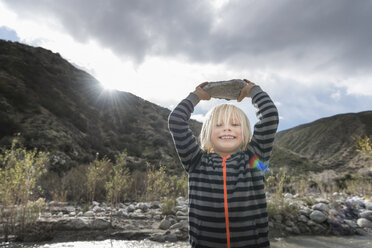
(324, 144)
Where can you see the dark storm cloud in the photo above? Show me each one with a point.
(318, 34)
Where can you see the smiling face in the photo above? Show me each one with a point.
(226, 138)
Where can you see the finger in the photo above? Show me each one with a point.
(203, 84)
(249, 82)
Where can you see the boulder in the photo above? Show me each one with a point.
(367, 215)
(321, 207)
(303, 218)
(89, 214)
(72, 224)
(362, 222)
(318, 216)
(165, 224)
(143, 206)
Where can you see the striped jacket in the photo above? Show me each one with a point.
(227, 203)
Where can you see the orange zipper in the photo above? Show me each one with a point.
(225, 200)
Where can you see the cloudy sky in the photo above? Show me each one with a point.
(314, 58)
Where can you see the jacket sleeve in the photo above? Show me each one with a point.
(265, 129)
(184, 140)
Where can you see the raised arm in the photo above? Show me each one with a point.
(185, 142)
(265, 129)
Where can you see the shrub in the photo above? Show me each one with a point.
(119, 181)
(19, 172)
(167, 205)
(98, 172)
(157, 183)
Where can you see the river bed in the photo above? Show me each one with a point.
(289, 242)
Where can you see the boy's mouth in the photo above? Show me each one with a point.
(227, 137)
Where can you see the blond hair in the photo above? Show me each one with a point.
(223, 114)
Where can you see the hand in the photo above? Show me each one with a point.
(245, 91)
(202, 94)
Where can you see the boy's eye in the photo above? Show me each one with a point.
(218, 125)
(235, 124)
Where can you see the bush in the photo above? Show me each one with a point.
(98, 174)
(119, 181)
(20, 170)
(168, 205)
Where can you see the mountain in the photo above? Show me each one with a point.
(327, 144)
(63, 110)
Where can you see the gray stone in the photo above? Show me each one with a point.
(47, 215)
(97, 209)
(356, 202)
(180, 213)
(181, 208)
(100, 224)
(289, 223)
(303, 218)
(321, 207)
(362, 222)
(157, 217)
(288, 196)
(181, 201)
(368, 204)
(229, 90)
(72, 224)
(367, 215)
(171, 237)
(138, 211)
(69, 209)
(305, 211)
(143, 206)
(165, 224)
(321, 200)
(122, 213)
(318, 216)
(351, 223)
(131, 208)
(89, 214)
